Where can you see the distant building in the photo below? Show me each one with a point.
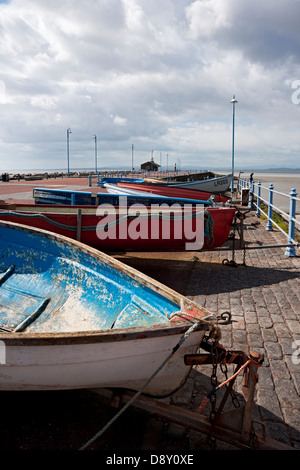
(150, 166)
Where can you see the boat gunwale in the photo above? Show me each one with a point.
(38, 208)
(102, 336)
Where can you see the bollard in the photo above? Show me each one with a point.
(258, 199)
(290, 251)
(269, 226)
(251, 197)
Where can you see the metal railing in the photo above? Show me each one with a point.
(255, 200)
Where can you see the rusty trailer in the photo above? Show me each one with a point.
(235, 426)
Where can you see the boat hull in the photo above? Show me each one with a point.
(124, 360)
(167, 191)
(104, 324)
(213, 185)
(83, 224)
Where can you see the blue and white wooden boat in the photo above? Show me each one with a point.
(72, 317)
(112, 197)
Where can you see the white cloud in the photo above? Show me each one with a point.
(43, 101)
(207, 16)
(119, 121)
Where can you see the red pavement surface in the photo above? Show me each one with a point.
(14, 186)
(20, 186)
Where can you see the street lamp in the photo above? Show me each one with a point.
(95, 139)
(233, 101)
(68, 150)
(132, 146)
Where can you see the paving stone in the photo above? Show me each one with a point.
(238, 323)
(265, 379)
(294, 326)
(269, 405)
(269, 335)
(276, 318)
(286, 393)
(255, 341)
(286, 344)
(250, 317)
(296, 380)
(273, 350)
(292, 418)
(282, 330)
(262, 312)
(253, 328)
(289, 314)
(279, 369)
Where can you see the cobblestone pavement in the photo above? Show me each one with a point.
(263, 297)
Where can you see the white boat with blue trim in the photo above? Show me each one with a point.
(73, 317)
(218, 185)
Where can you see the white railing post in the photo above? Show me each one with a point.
(290, 251)
(269, 226)
(258, 199)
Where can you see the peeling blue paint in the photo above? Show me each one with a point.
(57, 286)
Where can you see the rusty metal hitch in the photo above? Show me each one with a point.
(222, 355)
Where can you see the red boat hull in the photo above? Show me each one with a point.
(173, 192)
(82, 225)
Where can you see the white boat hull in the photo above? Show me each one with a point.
(213, 185)
(93, 362)
(115, 189)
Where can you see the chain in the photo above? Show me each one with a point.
(213, 397)
(234, 398)
(232, 262)
(244, 255)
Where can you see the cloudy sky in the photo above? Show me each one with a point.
(155, 74)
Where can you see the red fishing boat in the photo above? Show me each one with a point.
(161, 190)
(128, 229)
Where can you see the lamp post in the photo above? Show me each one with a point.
(132, 147)
(233, 101)
(68, 150)
(95, 139)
